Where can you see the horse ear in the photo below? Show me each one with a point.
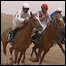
(31, 14)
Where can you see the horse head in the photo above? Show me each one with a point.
(34, 21)
(60, 23)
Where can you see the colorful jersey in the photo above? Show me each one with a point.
(19, 18)
(55, 13)
(42, 16)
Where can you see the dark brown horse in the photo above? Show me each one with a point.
(48, 39)
(22, 38)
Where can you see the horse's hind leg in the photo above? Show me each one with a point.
(21, 53)
(4, 42)
(11, 49)
(38, 56)
(4, 47)
(11, 56)
(34, 50)
(44, 53)
(16, 55)
(60, 45)
(23, 58)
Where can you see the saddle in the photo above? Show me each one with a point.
(11, 35)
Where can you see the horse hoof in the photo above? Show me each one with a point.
(11, 63)
(14, 61)
(11, 59)
(30, 59)
(34, 60)
(22, 61)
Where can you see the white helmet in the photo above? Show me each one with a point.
(59, 9)
(25, 5)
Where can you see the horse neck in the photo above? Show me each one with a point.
(54, 26)
(28, 30)
(50, 31)
(51, 28)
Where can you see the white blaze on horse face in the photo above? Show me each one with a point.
(62, 21)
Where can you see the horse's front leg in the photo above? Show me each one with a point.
(38, 56)
(23, 58)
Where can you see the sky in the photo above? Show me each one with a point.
(11, 7)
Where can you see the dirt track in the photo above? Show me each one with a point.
(53, 57)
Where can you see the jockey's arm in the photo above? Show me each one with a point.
(19, 18)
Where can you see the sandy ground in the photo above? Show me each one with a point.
(53, 57)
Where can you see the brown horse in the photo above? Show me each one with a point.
(48, 39)
(60, 32)
(22, 38)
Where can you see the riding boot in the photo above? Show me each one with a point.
(36, 37)
(12, 36)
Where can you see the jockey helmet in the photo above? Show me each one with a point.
(25, 5)
(44, 6)
(59, 9)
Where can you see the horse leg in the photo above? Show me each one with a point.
(60, 45)
(11, 49)
(38, 56)
(11, 56)
(4, 42)
(21, 53)
(44, 53)
(23, 58)
(34, 50)
(4, 47)
(16, 55)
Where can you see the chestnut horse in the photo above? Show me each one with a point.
(22, 38)
(48, 38)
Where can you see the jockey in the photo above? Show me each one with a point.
(43, 17)
(57, 12)
(18, 19)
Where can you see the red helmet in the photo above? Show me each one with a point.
(44, 6)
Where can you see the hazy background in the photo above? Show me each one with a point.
(10, 7)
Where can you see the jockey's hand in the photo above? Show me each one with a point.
(27, 18)
(25, 21)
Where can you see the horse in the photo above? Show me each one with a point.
(48, 38)
(22, 38)
(60, 37)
